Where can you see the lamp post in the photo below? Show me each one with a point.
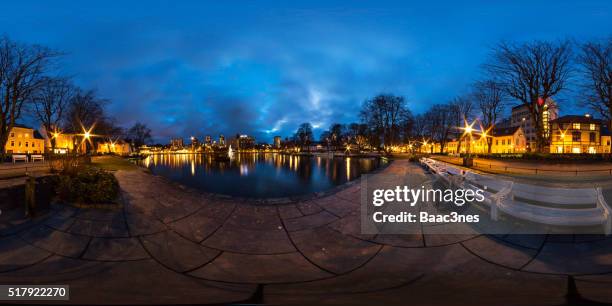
(468, 161)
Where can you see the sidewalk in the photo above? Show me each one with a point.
(172, 245)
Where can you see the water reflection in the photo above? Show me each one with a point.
(259, 175)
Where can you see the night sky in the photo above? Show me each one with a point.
(257, 67)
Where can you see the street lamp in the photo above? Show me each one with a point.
(467, 131)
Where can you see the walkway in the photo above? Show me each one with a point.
(173, 245)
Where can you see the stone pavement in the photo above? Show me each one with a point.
(173, 245)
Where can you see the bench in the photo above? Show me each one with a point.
(34, 158)
(20, 157)
(556, 206)
(539, 204)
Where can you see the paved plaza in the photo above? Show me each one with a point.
(173, 245)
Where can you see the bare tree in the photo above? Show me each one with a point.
(140, 134)
(462, 109)
(439, 120)
(532, 73)
(490, 97)
(50, 103)
(22, 69)
(385, 115)
(596, 61)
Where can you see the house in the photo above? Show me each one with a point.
(509, 140)
(119, 147)
(24, 140)
(579, 134)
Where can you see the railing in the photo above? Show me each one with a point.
(493, 168)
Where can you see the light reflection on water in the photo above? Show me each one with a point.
(259, 175)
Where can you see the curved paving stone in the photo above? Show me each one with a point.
(16, 254)
(111, 228)
(311, 221)
(99, 214)
(237, 240)
(243, 268)
(140, 224)
(574, 258)
(499, 252)
(289, 211)
(55, 269)
(390, 268)
(333, 251)
(351, 225)
(177, 253)
(595, 288)
(338, 206)
(58, 242)
(255, 217)
(196, 227)
(115, 249)
(308, 207)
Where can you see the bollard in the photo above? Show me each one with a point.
(30, 196)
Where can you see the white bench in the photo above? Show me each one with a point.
(556, 206)
(34, 158)
(20, 157)
(539, 204)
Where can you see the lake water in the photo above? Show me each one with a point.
(260, 175)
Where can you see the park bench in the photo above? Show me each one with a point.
(556, 206)
(34, 158)
(539, 204)
(20, 157)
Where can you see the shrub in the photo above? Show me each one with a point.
(88, 185)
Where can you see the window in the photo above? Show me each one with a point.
(13, 135)
(26, 144)
(12, 143)
(576, 126)
(592, 137)
(592, 126)
(576, 150)
(576, 136)
(592, 150)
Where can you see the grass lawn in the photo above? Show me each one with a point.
(112, 163)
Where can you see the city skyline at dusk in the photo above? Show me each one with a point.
(197, 68)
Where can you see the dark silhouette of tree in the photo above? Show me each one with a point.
(531, 73)
(596, 62)
(50, 102)
(385, 115)
(140, 134)
(303, 135)
(461, 111)
(490, 97)
(22, 74)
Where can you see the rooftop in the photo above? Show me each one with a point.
(576, 119)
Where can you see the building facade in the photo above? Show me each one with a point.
(579, 134)
(24, 140)
(118, 147)
(277, 142)
(522, 118)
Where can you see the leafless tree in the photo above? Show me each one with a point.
(385, 115)
(490, 98)
(596, 62)
(440, 121)
(140, 134)
(22, 70)
(531, 73)
(461, 110)
(50, 102)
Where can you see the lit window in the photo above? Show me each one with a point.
(559, 149)
(592, 150)
(592, 126)
(576, 136)
(576, 126)
(576, 150)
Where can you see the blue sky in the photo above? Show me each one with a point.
(263, 67)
